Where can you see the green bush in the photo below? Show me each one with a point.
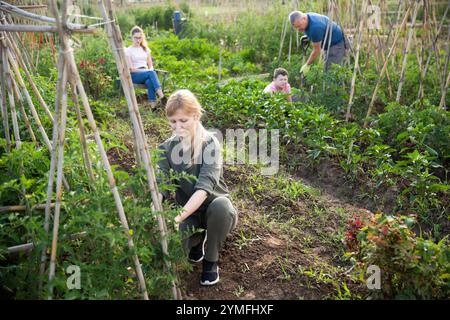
(154, 16)
(411, 267)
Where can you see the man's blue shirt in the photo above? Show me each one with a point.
(317, 28)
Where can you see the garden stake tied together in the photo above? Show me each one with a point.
(68, 75)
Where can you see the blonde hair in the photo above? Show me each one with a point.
(187, 102)
(137, 29)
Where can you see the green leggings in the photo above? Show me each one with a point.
(218, 219)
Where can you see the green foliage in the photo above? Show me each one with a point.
(97, 67)
(196, 59)
(382, 157)
(154, 16)
(106, 263)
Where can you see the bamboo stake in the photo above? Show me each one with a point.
(406, 51)
(442, 102)
(12, 103)
(87, 161)
(40, 28)
(29, 100)
(392, 26)
(111, 179)
(442, 71)
(368, 48)
(30, 246)
(53, 159)
(116, 43)
(4, 61)
(283, 35)
(22, 208)
(434, 40)
(22, 111)
(383, 59)
(290, 46)
(29, 78)
(59, 173)
(369, 110)
(355, 69)
(3, 114)
(328, 33)
(16, 39)
(33, 109)
(444, 91)
(4, 6)
(439, 71)
(382, 45)
(62, 98)
(135, 116)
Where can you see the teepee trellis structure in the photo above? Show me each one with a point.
(116, 43)
(13, 86)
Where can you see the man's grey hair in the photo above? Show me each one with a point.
(295, 15)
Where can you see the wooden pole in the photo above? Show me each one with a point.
(406, 51)
(4, 61)
(53, 159)
(87, 161)
(16, 39)
(434, 40)
(445, 89)
(283, 35)
(59, 174)
(17, 208)
(290, 46)
(12, 103)
(6, 7)
(355, 69)
(444, 94)
(24, 89)
(117, 46)
(433, 34)
(22, 111)
(22, 64)
(40, 28)
(32, 108)
(383, 70)
(30, 246)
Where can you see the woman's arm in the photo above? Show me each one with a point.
(195, 201)
(149, 61)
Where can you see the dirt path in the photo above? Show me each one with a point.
(261, 261)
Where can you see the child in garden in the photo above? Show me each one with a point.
(206, 201)
(141, 66)
(280, 83)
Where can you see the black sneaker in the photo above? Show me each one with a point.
(210, 273)
(163, 101)
(198, 252)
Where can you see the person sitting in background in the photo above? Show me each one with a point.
(280, 83)
(140, 62)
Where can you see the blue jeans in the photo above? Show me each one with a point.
(150, 79)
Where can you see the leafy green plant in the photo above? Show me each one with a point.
(411, 267)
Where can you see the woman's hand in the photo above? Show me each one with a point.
(192, 205)
(178, 218)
